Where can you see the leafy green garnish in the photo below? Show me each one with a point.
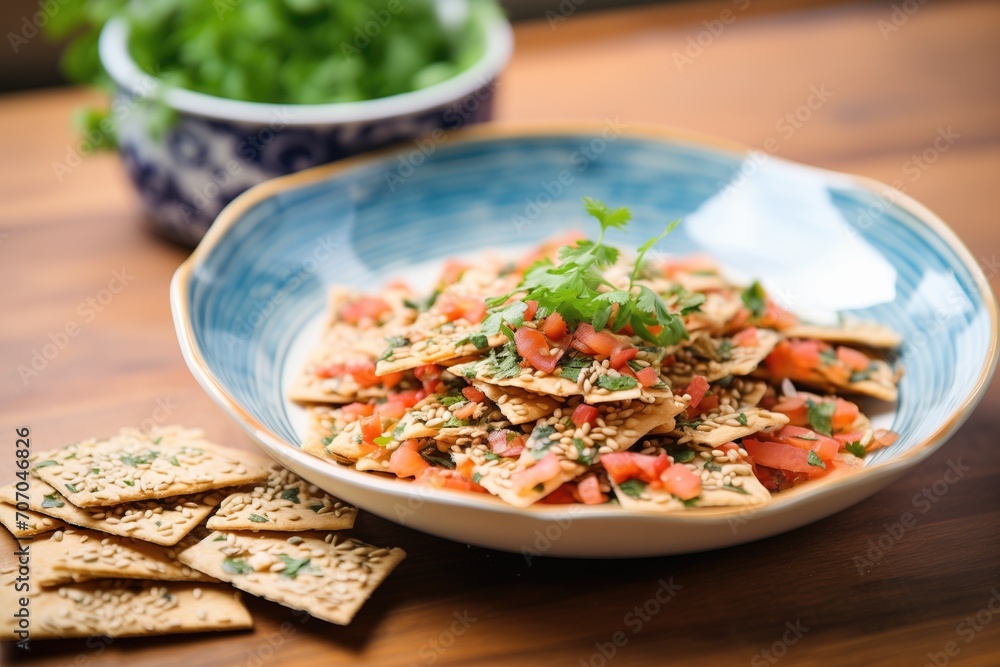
(476, 477)
(316, 508)
(632, 487)
(144, 458)
(821, 416)
(219, 538)
(397, 432)
(856, 448)
(712, 466)
(815, 460)
(755, 299)
(860, 376)
(742, 419)
(256, 518)
(619, 383)
(504, 361)
(828, 357)
(437, 458)
(383, 440)
(576, 289)
(129, 482)
(688, 423)
(681, 453)
(174, 462)
(45, 464)
(52, 500)
(451, 400)
(72, 489)
(582, 458)
(490, 456)
(736, 489)
(291, 493)
(572, 365)
(292, 565)
(725, 350)
(236, 566)
(393, 343)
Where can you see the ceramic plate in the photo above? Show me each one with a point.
(248, 303)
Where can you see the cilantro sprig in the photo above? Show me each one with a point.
(577, 290)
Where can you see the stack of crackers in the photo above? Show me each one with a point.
(139, 533)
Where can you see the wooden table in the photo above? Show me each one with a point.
(891, 84)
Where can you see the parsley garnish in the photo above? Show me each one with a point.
(52, 500)
(742, 419)
(316, 508)
(860, 376)
(291, 493)
(128, 482)
(46, 464)
(490, 456)
(437, 458)
(712, 466)
(292, 565)
(680, 453)
(856, 448)
(815, 460)
(633, 487)
(576, 289)
(573, 365)
(725, 350)
(383, 440)
(582, 458)
(821, 416)
(504, 361)
(618, 383)
(476, 477)
(689, 423)
(394, 342)
(256, 518)
(737, 489)
(236, 566)
(72, 489)
(397, 433)
(173, 461)
(755, 299)
(144, 458)
(448, 401)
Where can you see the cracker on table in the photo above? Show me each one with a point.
(26, 523)
(75, 554)
(284, 502)
(162, 521)
(328, 576)
(140, 465)
(122, 608)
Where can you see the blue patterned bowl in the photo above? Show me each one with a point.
(250, 300)
(217, 148)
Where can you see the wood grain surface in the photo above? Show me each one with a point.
(890, 83)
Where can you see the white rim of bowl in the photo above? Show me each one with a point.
(118, 62)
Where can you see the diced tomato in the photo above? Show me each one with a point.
(363, 373)
(354, 411)
(747, 337)
(622, 466)
(408, 397)
(848, 438)
(406, 461)
(883, 438)
(600, 343)
(627, 371)
(794, 358)
(452, 272)
(776, 317)
(505, 442)
(589, 489)
(465, 411)
(544, 470)
(330, 371)
(440, 478)
(680, 481)
(853, 359)
(390, 410)
(554, 327)
(458, 307)
(371, 428)
(696, 389)
(826, 448)
(669, 360)
(366, 308)
(844, 415)
(621, 355)
(740, 319)
(561, 496)
(795, 409)
(781, 456)
(475, 311)
(805, 353)
(473, 394)
(585, 414)
(647, 377)
(531, 345)
(529, 313)
(466, 469)
(429, 375)
(707, 404)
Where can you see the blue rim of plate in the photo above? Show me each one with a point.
(919, 219)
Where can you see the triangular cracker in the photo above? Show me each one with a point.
(329, 577)
(138, 465)
(719, 428)
(716, 358)
(519, 406)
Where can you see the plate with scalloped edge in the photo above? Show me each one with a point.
(249, 301)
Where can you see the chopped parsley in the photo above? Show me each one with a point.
(815, 460)
(573, 365)
(129, 482)
(236, 566)
(437, 458)
(503, 362)
(72, 489)
(828, 357)
(582, 458)
(725, 350)
(541, 440)
(383, 440)
(633, 487)
(689, 423)
(52, 500)
(145, 458)
(681, 453)
(397, 432)
(46, 464)
(316, 508)
(618, 383)
(292, 565)
(736, 489)
(174, 462)
(476, 477)
(861, 376)
(393, 343)
(742, 419)
(256, 518)
(821, 416)
(291, 493)
(448, 401)
(755, 299)
(712, 466)
(856, 448)
(219, 538)
(490, 456)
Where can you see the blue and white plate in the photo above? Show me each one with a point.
(248, 303)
